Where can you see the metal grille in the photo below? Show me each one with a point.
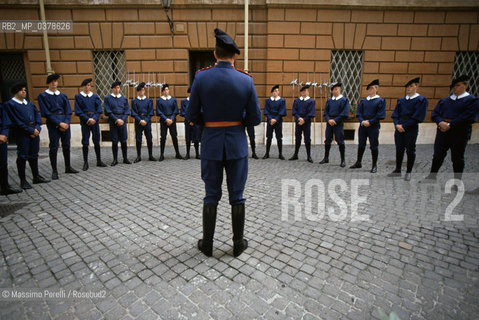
(347, 67)
(12, 68)
(467, 62)
(109, 67)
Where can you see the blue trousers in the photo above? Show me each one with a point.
(3, 156)
(304, 130)
(372, 133)
(55, 135)
(337, 131)
(118, 133)
(139, 130)
(454, 139)
(236, 175)
(277, 128)
(27, 147)
(85, 133)
(164, 130)
(192, 133)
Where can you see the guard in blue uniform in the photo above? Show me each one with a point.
(55, 107)
(274, 111)
(408, 113)
(252, 142)
(167, 110)
(25, 120)
(229, 102)
(6, 189)
(335, 112)
(117, 110)
(192, 130)
(370, 111)
(304, 109)
(142, 111)
(88, 108)
(454, 117)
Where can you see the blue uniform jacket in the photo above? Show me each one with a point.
(23, 116)
(338, 110)
(85, 105)
(304, 109)
(167, 109)
(372, 110)
(142, 109)
(116, 108)
(223, 93)
(274, 109)
(51, 105)
(4, 122)
(461, 112)
(414, 109)
(184, 108)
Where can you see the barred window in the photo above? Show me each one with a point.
(467, 62)
(109, 66)
(12, 70)
(347, 67)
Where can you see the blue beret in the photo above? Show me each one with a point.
(373, 83)
(415, 80)
(86, 81)
(52, 77)
(461, 78)
(140, 86)
(116, 83)
(223, 40)
(18, 87)
(336, 84)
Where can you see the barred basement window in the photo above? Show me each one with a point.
(109, 66)
(347, 67)
(467, 62)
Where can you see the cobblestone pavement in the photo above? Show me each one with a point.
(130, 232)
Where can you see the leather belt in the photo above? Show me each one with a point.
(118, 114)
(446, 120)
(142, 114)
(333, 115)
(405, 117)
(58, 114)
(89, 112)
(218, 124)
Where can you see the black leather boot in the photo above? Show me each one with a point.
(37, 178)
(280, 148)
(374, 154)
(162, 150)
(358, 165)
(124, 152)
(342, 151)
(327, 147)
(150, 151)
(138, 152)
(5, 187)
(188, 147)
(308, 151)
(21, 165)
(99, 163)
(209, 221)
(68, 165)
(177, 150)
(197, 148)
(296, 150)
(114, 150)
(85, 158)
(268, 147)
(237, 217)
(53, 162)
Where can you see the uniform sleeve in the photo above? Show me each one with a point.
(15, 121)
(149, 112)
(134, 110)
(78, 109)
(437, 112)
(175, 110)
(107, 105)
(98, 109)
(468, 115)
(159, 112)
(44, 110)
(253, 111)
(359, 111)
(419, 115)
(380, 112)
(126, 110)
(5, 122)
(395, 114)
(344, 111)
(282, 110)
(67, 108)
(326, 110)
(182, 108)
(38, 118)
(193, 113)
(266, 111)
(312, 109)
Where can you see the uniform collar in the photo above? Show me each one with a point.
(116, 96)
(20, 102)
(454, 97)
(166, 98)
(139, 98)
(413, 97)
(275, 99)
(52, 93)
(86, 95)
(188, 98)
(337, 98)
(224, 64)
(371, 98)
(304, 99)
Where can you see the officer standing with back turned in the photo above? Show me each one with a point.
(229, 102)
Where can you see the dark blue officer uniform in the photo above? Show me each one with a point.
(55, 107)
(372, 110)
(303, 108)
(274, 109)
(224, 146)
(142, 109)
(167, 108)
(25, 118)
(117, 108)
(86, 107)
(337, 110)
(4, 130)
(192, 133)
(409, 112)
(460, 112)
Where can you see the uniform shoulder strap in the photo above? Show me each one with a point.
(204, 69)
(242, 71)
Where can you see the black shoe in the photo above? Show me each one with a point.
(407, 177)
(238, 218)
(178, 156)
(39, 179)
(254, 156)
(431, 178)
(294, 157)
(186, 157)
(266, 156)
(325, 160)
(85, 166)
(101, 164)
(310, 159)
(55, 175)
(161, 158)
(198, 156)
(473, 191)
(114, 163)
(151, 158)
(70, 170)
(138, 159)
(9, 190)
(25, 185)
(239, 247)
(206, 247)
(374, 169)
(209, 221)
(343, 164)
(357, 165)
(126, 161)
(395, 173)
(281, 157)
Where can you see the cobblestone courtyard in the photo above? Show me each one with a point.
(130, 232)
